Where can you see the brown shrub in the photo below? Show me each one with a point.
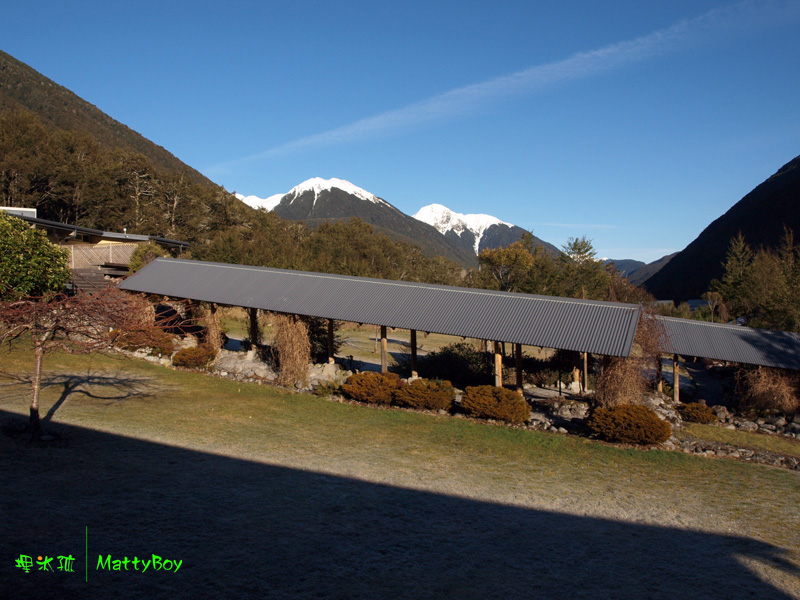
(195, 358)
(292, 348)
(694, 412)
(430, 394)
(630, 424)
(620, 383)
(158, 341)
(372, 387)
(490, 402)
(765, 389)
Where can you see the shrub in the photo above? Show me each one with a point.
(292, 348)
(326, 388)
(459, 363)
(431, 394)
(621, 383)
(372, 387)
(694, 412)
(765, 389)
(627, 423)
(490, 402)
(144, 254)
(158, 341)
(195, 358)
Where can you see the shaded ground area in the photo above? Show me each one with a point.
(248, 529)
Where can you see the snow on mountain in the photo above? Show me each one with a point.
(444, 219)
(256, 202)
(316, 185)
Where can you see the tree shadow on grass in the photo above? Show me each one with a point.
(96, 385)
(245, 529)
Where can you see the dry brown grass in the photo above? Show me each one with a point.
(292, 347)
(765, 389)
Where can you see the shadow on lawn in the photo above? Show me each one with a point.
(114, 388)
(250, 530)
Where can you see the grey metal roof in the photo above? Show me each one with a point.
(731, 343)
(112, 235)
(582, 325)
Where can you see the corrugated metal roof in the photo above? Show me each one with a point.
(582, 325)
(731, 343)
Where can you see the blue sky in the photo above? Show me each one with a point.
(635, 123)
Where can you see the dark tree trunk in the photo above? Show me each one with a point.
(34, 426)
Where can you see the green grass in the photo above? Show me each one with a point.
(742, 439)
(446, 456)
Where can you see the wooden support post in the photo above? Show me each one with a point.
(384, 353)
(330, 341)
(676, 379)
(254, 330)
(498, 365)
(585, 372)
(213, 333)
(414, 353)
(518, 365)
(659, 376)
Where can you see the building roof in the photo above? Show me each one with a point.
(732, 343)
(583, 325)
(67, 229)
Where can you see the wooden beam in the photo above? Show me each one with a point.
(384, 353)
(498, 365)
(330, 341)
(676, 379)
(414, 353)
(518, 364)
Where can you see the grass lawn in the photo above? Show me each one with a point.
(264, 493)
(742, 439)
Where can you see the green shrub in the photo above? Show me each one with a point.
(631, 424)
(431, 394)
(158, 341)
(695, 412)
(326, 388)
(195, 358)
(490, 402)
(458, 363)
(372, 387)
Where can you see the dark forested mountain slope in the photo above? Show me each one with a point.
(761, 216)
(56, 106)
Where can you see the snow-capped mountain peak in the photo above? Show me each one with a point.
(315, 185)
(444, 219)
(318, 184)
(256, 202)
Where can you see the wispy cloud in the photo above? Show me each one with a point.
(579, 225)
(718, 23)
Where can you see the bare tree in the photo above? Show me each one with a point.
(78, 324)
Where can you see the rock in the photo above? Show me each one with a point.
(777, 421)
(748, 426)
(571, 409)
(721, 412)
